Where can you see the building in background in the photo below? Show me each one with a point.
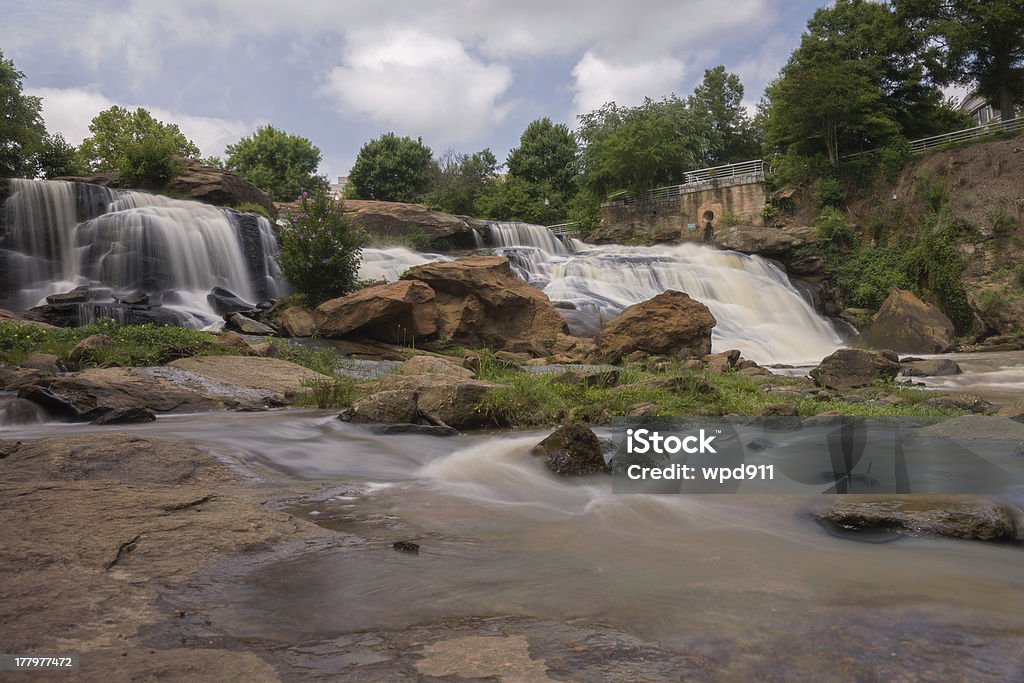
(338, 189)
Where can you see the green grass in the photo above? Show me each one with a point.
(135, 345)
(337, 392)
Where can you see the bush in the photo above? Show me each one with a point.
(989, 300)
(831, 226)
(320, 249)
(828, 191)
(252, 207)
(150, 163)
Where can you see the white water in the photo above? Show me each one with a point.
(758, 311)
(131, 241)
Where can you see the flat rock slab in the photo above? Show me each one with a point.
(267, 374)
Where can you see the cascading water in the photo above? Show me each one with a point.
(62, 235)
(758, 310)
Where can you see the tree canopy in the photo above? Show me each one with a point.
(462, 179)
(973, 42)
(21, 124)
(730, 132)
(116, 130)
(546, 154)
(392, 169)
(279, 163)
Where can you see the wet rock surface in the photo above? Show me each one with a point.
(670, 323)
(572, 450)
(961, 517)
(852, 368)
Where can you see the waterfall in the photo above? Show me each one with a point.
(758, 310)
(62, 235)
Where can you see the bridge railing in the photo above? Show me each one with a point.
(741, 172)
(994, 127)
(563, 229)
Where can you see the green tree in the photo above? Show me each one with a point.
(731, 135)
(281, 164)
(461, 180)
(57, 157)
(21, 125)
(150, 163)
(513, 198)
(546, 154)
(392, 169)
(639, 148)
(977, 42)
(320, 248)
(115, 130)
(857, 81)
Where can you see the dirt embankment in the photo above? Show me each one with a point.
(982, 187)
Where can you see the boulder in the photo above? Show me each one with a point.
(84, 352)
(450, 400)
(907, 324)
(131, 415)
(44, 362)
(72, 314)
(572, 450)
(951, 517)
(938, 367)
(297, 321)
(396, 312)
(234, 342)
(412, 220)
(771, 242)
(720, 362)
(432, 365)
(481, 302)
(247, 325)
(273, 375)
(671, 323)
(76, 295)
(851, 368)
(397, 406)
(224, 301)
(15, 317)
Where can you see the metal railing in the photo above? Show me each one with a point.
(563, 229)
(739, 173)
(994, 127)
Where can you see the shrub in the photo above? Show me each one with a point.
(989, 300)
(320, 249)
(150, 163)
(252, 207)
(831, 226)
(828, 191)
(729, 219)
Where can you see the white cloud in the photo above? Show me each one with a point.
(68, 111)
(418, 84)
(598, 81)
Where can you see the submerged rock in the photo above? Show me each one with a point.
(573, 450)
(950, 517)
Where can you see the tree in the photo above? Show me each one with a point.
(392, 169)
(719, 100)
(639, 148)
(973, 41)
(150, 163)
(115, 130)
(21, 124)
(281, 164)
(856, 81)
(57, 157)
(461, 180)
(546, 154)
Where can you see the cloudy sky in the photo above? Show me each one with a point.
(461, 74)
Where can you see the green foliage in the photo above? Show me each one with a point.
(867, 274)
(337, 392)
(973, 41)
(769, 212)
(252, 207)
(279, 163)
(935, 263)
(1003, 224)
(729, 219)
(21, 124)
(990, 300)
(135, 345)
(117, 132)
(731, 135)
(546, 156)
(829, 192)
(57, 157)
(585, 211)
(831, 226)
(320, 249)
(461, 180)
(392, 169)
(149, 163)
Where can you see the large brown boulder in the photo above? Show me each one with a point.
(481, 302)
(410, 220)
(396, 312)
(451, 400)
(905, 323)
(670, 324)
(851, 368)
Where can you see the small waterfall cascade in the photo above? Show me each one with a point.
(62, 235)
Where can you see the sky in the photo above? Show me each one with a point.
(460, 74)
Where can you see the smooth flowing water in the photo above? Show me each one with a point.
(747, 581)
(758, 310)
(61, 235)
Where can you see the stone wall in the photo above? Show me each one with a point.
(682, 218)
